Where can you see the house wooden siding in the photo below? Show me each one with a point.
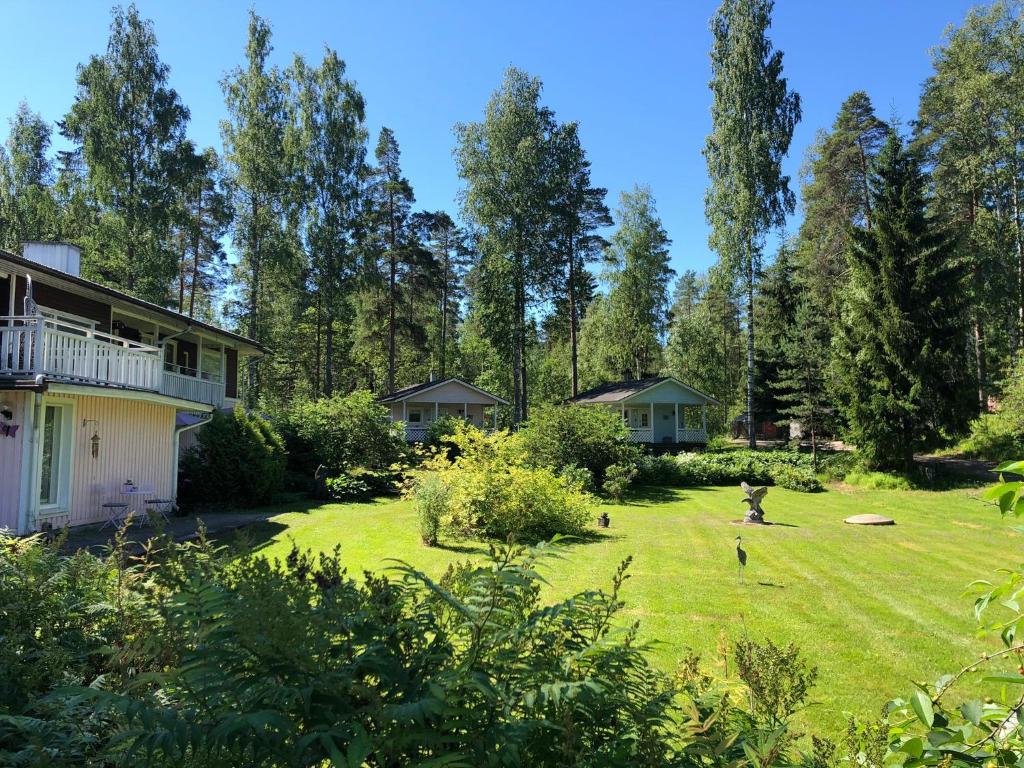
(11, 451)
(136, 443)
(667, 391)
(59, 300)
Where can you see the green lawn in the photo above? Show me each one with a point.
(872, 607)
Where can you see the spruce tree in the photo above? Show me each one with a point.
(801, 381)
(901, 351)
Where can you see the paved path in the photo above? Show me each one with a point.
(92, 537)
(982, 470)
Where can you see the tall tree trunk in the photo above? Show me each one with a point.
(751, 435)
(329, 351)
(865, 191)
(181, 275)
(980, 366)
(392, 319)
(524, 405)
(253, 309)
(1018, 237)
(573, 323)
(317, 367)
(197, 248)
(443, 351)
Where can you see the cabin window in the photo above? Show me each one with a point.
(645, 419)
(55, 458)
(415, 416)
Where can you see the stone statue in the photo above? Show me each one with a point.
(754, 496)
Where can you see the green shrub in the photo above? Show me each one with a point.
(239, 460)
(493, 492)
(431, 500)
(341, 433)
(754, 467)
(347, 488)
(878, 481)
(560, 436)
(796, 479)
(993, 437)
(579, 477)
(617, 479)
(439, 431)
(662, 470)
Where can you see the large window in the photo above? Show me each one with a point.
(56, 455)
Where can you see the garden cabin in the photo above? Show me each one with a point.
(96, 389)
(421, 405)
(659, 410)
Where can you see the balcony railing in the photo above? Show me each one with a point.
(189, 384)
(33, 345)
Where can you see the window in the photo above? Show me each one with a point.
(644, 419)
(55, 457)
(170, 355)
(210, 363)
(415, 416)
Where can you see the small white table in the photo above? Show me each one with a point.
(135, 492)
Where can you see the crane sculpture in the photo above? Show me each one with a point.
(753, 501)
(741, 557)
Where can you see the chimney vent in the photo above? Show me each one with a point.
(63, 256)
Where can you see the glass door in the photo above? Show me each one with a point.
(55, 457)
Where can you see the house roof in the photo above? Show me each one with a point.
(417, 389)
(94, 287)
(617, 391)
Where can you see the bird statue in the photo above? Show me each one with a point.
(741, 556)
(753, 501)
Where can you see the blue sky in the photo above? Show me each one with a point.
(634, 74)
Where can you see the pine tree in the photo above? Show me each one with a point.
(129, 127)
(388, 204)
(753, 114)
(835, 196)
(901, 353)
(971, 124)
(202, 217)
(452, 253)
(578, 211)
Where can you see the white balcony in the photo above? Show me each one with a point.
(188, 384)
(33, 345)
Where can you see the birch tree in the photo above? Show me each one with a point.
(753, 114)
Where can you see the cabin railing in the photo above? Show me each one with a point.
(640, 435)
(32, 345)
(691, 435)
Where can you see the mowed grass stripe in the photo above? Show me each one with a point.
(873, 608)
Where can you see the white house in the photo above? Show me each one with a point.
(660, 410)
(96, 389)
(421, 405)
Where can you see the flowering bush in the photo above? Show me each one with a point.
(490, 490)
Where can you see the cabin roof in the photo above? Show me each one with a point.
(89, 285)
(416, 389)
(617, 391)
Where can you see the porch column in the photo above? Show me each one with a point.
(650, 422)
(675, 432)
(704, 418)
(465, 413)
(436, 411)
(405, 412)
